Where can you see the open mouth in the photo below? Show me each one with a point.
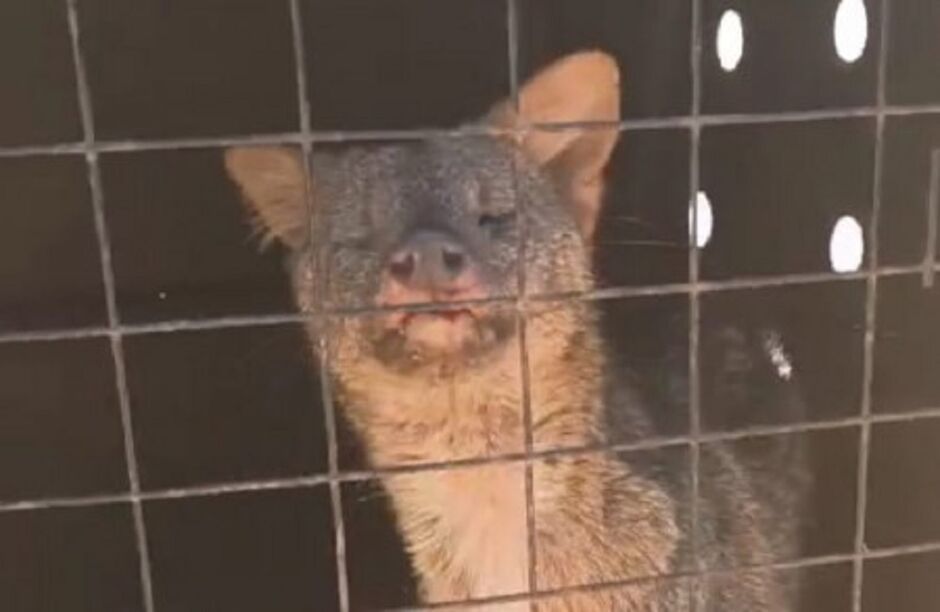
(443, 315)
(428, 336)
(446, 314)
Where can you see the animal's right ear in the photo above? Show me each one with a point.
(273, 182)
(581, 87)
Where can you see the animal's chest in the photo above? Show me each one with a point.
(467, 528)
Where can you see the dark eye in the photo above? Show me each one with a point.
(496, 221)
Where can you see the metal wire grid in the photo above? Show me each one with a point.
(871, 306)
(306, 138)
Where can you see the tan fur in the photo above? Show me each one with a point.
(576, 155)
(273, 181)
(597, 517)
(466, 528)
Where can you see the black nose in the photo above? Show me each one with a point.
(429, 259)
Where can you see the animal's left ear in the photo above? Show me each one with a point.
(272, 183)
(579, 88)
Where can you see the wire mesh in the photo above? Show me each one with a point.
(308, 139)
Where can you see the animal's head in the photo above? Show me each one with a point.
(439, 222)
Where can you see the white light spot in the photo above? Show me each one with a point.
(162, 295)
(850, 30)
(778, 355)
(846, 245)
(700, 214)
(730, 40)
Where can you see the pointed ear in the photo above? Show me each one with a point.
(580, 88)
(272, 181)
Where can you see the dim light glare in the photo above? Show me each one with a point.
(850, 30)
(846, 245)
(729, 41)
(702, 219)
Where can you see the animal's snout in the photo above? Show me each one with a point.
(431, 261)
(431, 266)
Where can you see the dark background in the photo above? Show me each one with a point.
(219, 385)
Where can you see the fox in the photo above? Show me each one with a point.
(437, 243)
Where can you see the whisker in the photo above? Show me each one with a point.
(647, 243)
(631, 220)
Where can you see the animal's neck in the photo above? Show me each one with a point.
(465, 527)
(480, 412)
